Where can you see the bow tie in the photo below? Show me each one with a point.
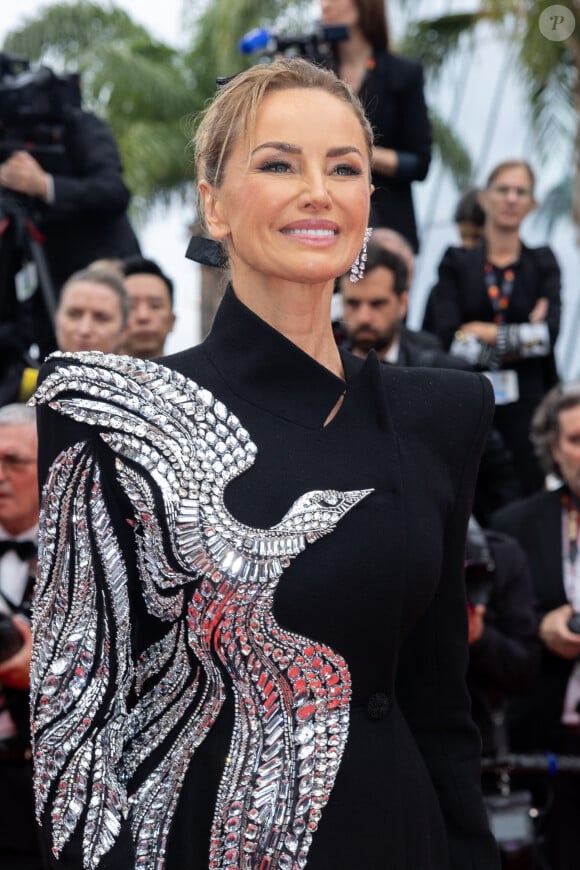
(25, 550)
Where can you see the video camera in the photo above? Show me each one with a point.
(35, 104)
(479, 565)
(317, 46)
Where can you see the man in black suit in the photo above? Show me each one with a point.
(19, 844)
(547, 527)
(374, 311)
(80, 206)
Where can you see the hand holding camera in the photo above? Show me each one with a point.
(475, 622)
(23, 174)
(15, 651)
(556, 634)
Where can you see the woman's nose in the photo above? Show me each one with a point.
(315, 192)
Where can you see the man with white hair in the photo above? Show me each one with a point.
(19, 844)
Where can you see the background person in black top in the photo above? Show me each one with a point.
(81, 209)
(497, 305)
(391, 89)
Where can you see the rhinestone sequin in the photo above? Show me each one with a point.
(176, 450)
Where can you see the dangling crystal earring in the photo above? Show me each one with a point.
(357, 270)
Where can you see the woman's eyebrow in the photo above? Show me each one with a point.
(279, 146)
(296, 149)
(342, 151)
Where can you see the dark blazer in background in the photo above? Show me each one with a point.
(505, 660)
(419, 348)
(88, 218)
(392, 93)
(536, 522)
(386, 588)
(460, 296)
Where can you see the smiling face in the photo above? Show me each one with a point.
(293, 204)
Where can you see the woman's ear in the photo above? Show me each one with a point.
(215, 222)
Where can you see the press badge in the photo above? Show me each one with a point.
(505, 386)
(26, 281)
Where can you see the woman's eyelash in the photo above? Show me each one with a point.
(284, 166)
(274, 166)
(347, 169)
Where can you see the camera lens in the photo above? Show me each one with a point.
(10, 637)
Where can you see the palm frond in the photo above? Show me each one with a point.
(135, 80)
(156, 159)
(557, 204)
(68, 30)
(452, 152)
(432, 41)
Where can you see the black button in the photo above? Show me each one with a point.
(378, 705)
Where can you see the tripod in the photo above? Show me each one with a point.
(21, 244)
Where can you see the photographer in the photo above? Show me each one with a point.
(504, 653)
(71, 190)
(547, 527)
(19, 846)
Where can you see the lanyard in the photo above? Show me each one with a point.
(499, 284)
(571, 507)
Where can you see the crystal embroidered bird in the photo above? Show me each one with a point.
(99, 717)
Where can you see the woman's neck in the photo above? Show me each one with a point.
(353, 52)
(301, 313)
(502, 247)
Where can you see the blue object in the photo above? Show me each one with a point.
(254, 40)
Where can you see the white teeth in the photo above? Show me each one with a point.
(305, 232)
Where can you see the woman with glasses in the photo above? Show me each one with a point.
(498, 306)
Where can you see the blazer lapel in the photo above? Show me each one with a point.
(547, 532)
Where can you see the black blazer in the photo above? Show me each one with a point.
(392, 94)
(86, 221)
(536, 522)
(385, 588)
(419, 348)
(460, 295)
(507, 656)
(88, 218)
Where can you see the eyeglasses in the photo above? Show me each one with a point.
(15, 464)
(506, 189)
